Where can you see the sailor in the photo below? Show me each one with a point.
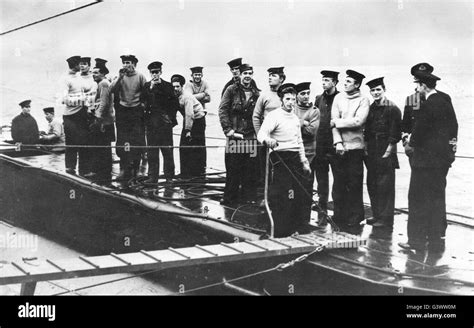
(348, 115)
(309, 122)
(234, 66)
(129, 116)
(24, 127)
(102, 126)
(381, 135)
(433, 145)
(161, 106)
(193, 159)
(198, 87)
(55, 134)
(324, 145)
(76, 126)
(235, 115)
(266, 102)
(281, 131)
(412, 106)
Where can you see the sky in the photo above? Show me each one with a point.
(210, 33)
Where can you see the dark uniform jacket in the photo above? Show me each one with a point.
(324, 136)
(25, 129)
(383, 128)
(235, 112)
(435, 129)
(160, 101)
(412, 106)
(231, 82)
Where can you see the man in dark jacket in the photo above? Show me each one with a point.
(234, 66)
(161, 106)
(24, 127)
(235, 115)
(382, 133)
(324, 146)
(433, 143)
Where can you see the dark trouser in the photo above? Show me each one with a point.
(241, 172)
(262, 163)
(320, 166)
(130, 130)
(101, 158)
(445, 219)
(159, 133)
(381, 187)
(427, 205)
(288, 195)
(348, 171)
(193, 160)
(76, 130)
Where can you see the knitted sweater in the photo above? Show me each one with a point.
(200, 91)
(130, 88)
(192, 109)
(309, 114)
(266, 102)
(349, 113)
(285, 128)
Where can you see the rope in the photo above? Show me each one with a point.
(51, 17)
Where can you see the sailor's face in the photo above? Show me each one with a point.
(84, 67)
(49, 117)
(377, 92)
(303, 97)
(327, 83)
(274, 80)
(155, 74)
(178, 89)
(197, 77)
(96, 75)
(26, 109)
(350, 84)
(288, 101)
(421, 88)
(247, 76)
(128, 66)
(235, 72)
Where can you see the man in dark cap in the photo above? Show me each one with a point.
(24, 127)
(198, 87)
(192, 159)
(412, 105)
(102, 130)
(129, 115)
(432, 139)
(75, 118)
(161, 105)
(288, 196)
(309, 122)
(235, 115)
(234, 66)
(55, 134)
(381, 135)
(324, 144)
(348, 116)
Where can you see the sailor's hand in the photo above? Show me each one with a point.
(340, 150)
(306, 168)
(271, 143)
(388, 151)
(332, 124)
(122, 72)
(188, 136)
(230, 134)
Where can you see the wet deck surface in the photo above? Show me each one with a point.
(381, 261)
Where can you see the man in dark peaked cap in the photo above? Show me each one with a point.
(161, 106)
(24, 128)
(382, 133)
(234, 66)
(434, 144)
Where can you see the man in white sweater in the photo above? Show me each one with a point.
(348, 115)
(281, 131)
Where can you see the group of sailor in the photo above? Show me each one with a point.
(339, 130)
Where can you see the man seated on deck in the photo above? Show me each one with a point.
(193, 159)
(281, 131)
(24, 127)
(55, 134)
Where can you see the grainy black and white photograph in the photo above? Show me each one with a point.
(279, 147)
